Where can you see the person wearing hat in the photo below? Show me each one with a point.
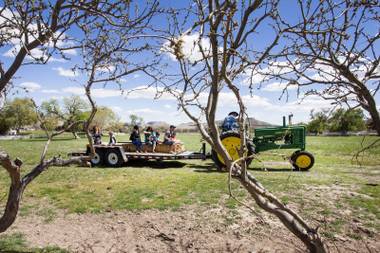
(230, 122)
(170, 136)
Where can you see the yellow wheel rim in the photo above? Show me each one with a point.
(303, 161)
(232, 144)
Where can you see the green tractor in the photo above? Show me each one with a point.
(271, 138)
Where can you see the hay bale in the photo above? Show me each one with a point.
(160, 148)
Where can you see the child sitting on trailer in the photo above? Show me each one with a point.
(170, 136)
(151, 138)
(136, 139)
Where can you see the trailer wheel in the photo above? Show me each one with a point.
(302, 160)
(97, 159)
(231, 141)
(113, 158)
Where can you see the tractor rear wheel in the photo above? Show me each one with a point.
(231, 141)
(302, 160)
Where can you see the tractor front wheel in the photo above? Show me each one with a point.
(302, 160)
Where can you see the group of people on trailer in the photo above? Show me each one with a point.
(151, 137)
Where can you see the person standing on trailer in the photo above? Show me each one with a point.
(170, 136)
(96, 135)
(136, 139)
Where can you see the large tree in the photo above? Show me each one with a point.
(20, 113)
(73, 111)
(219, 36)
(106, 30)
(331, 50)
(343, 120)
(318, 122)
(104, 118)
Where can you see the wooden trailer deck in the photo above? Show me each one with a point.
(165, 156)
(119, 154)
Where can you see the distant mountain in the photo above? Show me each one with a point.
(187, 126)
(255, 123)
(158, 124)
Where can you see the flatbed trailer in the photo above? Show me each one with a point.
(118, 154)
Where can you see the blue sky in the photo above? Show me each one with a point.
(56, 80)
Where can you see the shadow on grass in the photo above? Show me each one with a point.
(211, 169)
(208, 166)
(155, 164)
(260, 169)
(45, 139)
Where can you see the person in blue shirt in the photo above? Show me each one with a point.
(136, 139)
(230, 122)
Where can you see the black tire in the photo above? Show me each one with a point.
(113, 158)
(98, 159)
(302, 160)
(219, 163)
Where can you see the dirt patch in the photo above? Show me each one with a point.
(189, 229)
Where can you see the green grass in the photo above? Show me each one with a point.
(170, 185)
(16, 243)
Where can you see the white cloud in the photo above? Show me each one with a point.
(255, 101)
(140, 92)
(57, 97)
(35, 53)
(144, 92)
(96, 93)
(143, 110)
(16, 38)
(106, 69)
(70, 51)
(277, 86)
(306, 104)
(65, 72)
(50, 91)
(117, 109)
(30, 86)
(167, 106)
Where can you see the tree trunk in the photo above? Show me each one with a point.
(12, 207)
(15, 191)
(367, 100)
(291, 220)
(372, 110)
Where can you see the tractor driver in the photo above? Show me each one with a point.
(230, 122)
